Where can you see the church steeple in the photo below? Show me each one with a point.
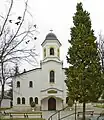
(51, 47)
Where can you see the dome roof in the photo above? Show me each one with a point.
(51, 36)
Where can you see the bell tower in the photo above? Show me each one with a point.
(51, 47)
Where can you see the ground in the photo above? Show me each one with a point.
(47, 114)
(23, 119)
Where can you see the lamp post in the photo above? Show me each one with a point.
(75, 109)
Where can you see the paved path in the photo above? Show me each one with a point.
(47, 114)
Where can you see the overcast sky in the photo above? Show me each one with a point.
(57, 15)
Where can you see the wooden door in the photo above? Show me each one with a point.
(51, 104)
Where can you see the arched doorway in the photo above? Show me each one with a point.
(51, 104)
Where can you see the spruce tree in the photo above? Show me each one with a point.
(84, 75)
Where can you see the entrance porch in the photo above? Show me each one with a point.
(51, 103)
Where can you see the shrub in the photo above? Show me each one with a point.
(70, 103)
(33, 104)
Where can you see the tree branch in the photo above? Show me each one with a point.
(6, 17)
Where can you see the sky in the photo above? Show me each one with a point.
(57, 15)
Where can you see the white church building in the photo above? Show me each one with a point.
(45, 85)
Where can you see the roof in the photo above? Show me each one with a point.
(28, 71)
(51, 36)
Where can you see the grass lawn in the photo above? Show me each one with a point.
(100, 106)
(35, 112)
(24, 119)
(1, 109)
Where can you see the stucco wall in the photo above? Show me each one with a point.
(48, 46)
(40, 78)
(25, 90)
(59, 104)
(6, 103)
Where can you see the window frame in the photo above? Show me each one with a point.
(18, 100)
(18, 84)
(52, 52)
(23, 100)
(30, 84)
(44, 52)
(58, 52)
(67, 99)
(52, 76)
(30, 100)
(36, 100)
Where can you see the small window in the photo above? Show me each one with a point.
(58, 52)
(36, 100)
(30, 84)
(67, 99)
(52, 75)
(23, 100)
(30, 100)
(44, 52)
(51, 51)
(18, 83)
(18, 100)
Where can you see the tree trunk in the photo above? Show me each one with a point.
(0, 107)
(84, 108)
(0, 103)
(2, 94)
(75, 111)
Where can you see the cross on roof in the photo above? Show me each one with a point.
(51, 30)
(78, 1)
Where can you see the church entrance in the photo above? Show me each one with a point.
(51, 104)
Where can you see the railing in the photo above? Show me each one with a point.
(99, 117)
(67, 116)
(89, 114)
(94, 116)
(58, 114)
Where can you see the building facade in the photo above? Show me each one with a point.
(45, 85)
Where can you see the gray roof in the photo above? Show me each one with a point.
(51, 36)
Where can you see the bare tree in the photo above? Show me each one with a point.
(100, 45)
(14, 44)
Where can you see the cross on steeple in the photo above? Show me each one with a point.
(78, 1)
(51, 30)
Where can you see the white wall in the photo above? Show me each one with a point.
(40, 78)
(59, 77)
(25, 90)
(5, 103)
(44, 104)
(48, 46)
(59, 104)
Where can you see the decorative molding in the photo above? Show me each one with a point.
(51, 89)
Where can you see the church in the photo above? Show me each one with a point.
(44, 85)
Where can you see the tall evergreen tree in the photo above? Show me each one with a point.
(84, 75)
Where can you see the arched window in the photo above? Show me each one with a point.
(36, 100)
(30, 84)
(18, 100)
(58, 52)
(51, 51)
(44, 52)
(52, 76)
(67, 99)
(23, 100)
(18, 83)
(30, 100)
